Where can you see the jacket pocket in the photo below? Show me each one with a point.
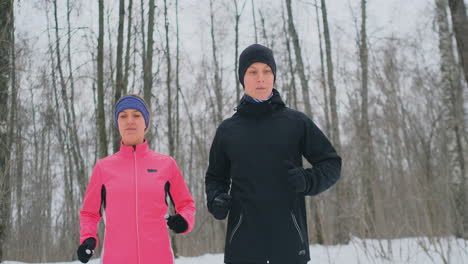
(236, 228)
(298, 229)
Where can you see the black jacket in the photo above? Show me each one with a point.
(267, 220)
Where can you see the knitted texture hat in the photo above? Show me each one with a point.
(131, 102)
(255, 53)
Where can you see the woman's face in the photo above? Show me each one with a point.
(258, 81)
(132, 127)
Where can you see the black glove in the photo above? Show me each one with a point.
(296, 177)
(221, 205)
(86, 249)
(177, 223)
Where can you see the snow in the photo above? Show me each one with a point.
(364, 251)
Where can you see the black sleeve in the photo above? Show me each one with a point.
(217, 179)
(326, 163)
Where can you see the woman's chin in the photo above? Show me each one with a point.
(132, 141)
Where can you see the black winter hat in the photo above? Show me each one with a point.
(255, 53)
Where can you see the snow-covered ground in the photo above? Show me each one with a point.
(410, 251)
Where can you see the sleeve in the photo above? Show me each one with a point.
(183, 202)
(90, 213)
(326, 163)
(218, 178)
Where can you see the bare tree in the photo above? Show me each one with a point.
(300, 63)
(170, 133)
(255, 22)
(119, 79)
(326, 107)
(101, 119)
(177, 136)
(6, 36)
(292, 91)
(342, 233)
(365, 130)
(148, 61)
(217, 78)
(14, 133)
(460, 26)
(236, 44)
(453, 95)
(129, 44)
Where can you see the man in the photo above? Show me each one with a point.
(257, 155)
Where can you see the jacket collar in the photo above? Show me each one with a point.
(139, 149)
(260, 109)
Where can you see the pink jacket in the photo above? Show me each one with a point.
(130, 185)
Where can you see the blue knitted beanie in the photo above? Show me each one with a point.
(131, 102)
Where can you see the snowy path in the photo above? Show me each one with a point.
(398, 251)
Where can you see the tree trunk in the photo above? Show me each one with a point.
(217, 78)
(264, 34)
(236, 30)
(127, 51)
(15, 129)
(326, 107)
(254, 21)
(365, 132)
(236, 47)
(453, 99)
(6, 37)
(342, 234)
(148, 62)
(292, 86)
(314, 202)
(300, 63)
(170, 134)
(460, 26)
(143, 41)
(101, 119)
(79, 161)
(331, 81)
(119, 82)
(177, 137)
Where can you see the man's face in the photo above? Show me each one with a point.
(258, 81)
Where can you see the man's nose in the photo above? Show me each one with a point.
(261, 77)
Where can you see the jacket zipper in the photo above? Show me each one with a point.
(236, 228)
(297, 228)
(136, 205)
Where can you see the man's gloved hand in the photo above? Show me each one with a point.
(296, 177)
(86, 249)
(221, 206)
(177, 223)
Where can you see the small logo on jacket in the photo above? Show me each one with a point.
(302, 252)
(152, 170)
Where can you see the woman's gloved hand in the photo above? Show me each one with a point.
(177, 223)
(86, 249)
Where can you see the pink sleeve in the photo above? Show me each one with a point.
(184, 204)
(90, 212)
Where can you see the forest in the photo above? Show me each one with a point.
(386, 81)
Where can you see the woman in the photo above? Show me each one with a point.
(129, 189)
(255, 172)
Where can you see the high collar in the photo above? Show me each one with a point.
(254, 100)
(260, 109)
(139, 149)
